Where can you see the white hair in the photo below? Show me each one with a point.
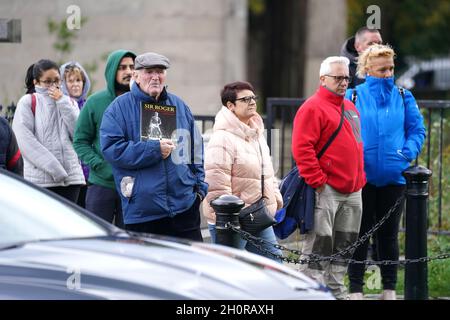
(325, 66)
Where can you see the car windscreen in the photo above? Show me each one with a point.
(28, 214)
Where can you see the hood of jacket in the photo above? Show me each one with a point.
(86, 86)
(226, 120)
(348, 50)
(111, 68)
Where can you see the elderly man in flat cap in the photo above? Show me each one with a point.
(160, 179)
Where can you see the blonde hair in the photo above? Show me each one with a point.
(74, 70)
(366, 57)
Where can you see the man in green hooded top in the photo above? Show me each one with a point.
(102, 198)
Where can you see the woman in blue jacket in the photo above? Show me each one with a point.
(393, 134)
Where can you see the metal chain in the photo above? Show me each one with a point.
(314, 257)
(259, 242)
(368, 234)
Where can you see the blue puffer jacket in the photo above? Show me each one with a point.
(161, 187)
(392, 130)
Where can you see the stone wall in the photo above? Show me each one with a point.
(204, 39)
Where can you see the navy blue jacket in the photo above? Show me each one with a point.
(162, 187)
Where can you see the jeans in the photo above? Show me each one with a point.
(82, 196)
(70, 192)
(376, 203)
(104, 203)
(184, 225)
(267, 234)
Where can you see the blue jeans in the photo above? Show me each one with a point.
(267, 234)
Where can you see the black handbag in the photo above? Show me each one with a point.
(256, 217)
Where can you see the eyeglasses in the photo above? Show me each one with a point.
(48, 83)
(248, 99)
(339, 79)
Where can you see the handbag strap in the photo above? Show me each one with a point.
(333, 136)
(262, 170)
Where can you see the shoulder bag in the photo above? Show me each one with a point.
(256, 217)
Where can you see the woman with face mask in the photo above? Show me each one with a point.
(393, 133)
(44, 122)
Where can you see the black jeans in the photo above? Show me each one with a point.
(105, 203)
(70, 192)
(376, 203)
(82, 196)
(184, 225)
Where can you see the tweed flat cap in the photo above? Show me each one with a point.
(150, 60)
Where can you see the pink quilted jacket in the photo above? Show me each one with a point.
(233, 163)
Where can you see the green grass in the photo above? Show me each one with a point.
(438, 270)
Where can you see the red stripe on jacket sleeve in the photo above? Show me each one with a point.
(13, 161)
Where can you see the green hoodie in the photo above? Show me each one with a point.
(86, 139)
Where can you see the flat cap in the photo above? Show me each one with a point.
(150, 60)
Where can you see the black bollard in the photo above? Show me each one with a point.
(416, 274)
(227, 208)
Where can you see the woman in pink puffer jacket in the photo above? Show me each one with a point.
(233, 159)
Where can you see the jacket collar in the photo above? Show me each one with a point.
(381, 86)
(330, 96)
(227, 121)
(142, 96)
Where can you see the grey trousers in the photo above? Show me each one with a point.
(337, 218)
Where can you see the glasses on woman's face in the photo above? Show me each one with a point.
(247, 99)
(49, 83)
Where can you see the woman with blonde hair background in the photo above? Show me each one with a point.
(233, 159)
(75, 83)
(393, 134)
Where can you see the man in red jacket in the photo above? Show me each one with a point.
(337, 176)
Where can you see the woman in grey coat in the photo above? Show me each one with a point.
(44, 122)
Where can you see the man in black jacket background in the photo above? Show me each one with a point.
(353, 47)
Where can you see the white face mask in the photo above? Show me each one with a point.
(41, 90)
